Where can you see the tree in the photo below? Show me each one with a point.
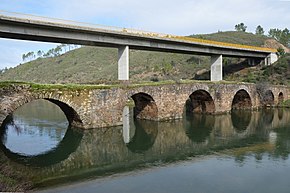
(280, 51)
(283, 36)
(58, 50)
(240, 27)
(24, 57)
(39, 53)
(259, 30)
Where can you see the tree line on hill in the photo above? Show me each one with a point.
(53, 52)
(282, 36)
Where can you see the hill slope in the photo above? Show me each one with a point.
(95, 64)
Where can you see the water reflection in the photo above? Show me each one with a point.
(258, 134)
(144, 136)
(241, 119)
(67, 145)
(38, 134)
(199, 126)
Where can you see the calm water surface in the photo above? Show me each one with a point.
(239, 152)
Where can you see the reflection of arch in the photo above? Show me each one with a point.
(280, 98)
(200, 101)
(280, 113)
(241, 119)
(68, 145)
(199, 126)
(145, 106)
(71, 115)
(144, 137)
(268, 116)
(242, 100)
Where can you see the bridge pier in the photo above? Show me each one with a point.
(216, 71)
(270, 59)
(123, 63)
(251, 62)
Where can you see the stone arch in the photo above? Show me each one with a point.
(242, 100)
(10, 104)
(200, 101)
(280, 98)
(145, 106)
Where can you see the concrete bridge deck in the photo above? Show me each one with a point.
(19, 26)
(102, 106)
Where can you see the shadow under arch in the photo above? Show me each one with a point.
(268, 98)
(60, 152)
(200, 101)
(145, 106)
(241, 119)
(71, 115)
(144, 136)
(242, 100)
(198, 127)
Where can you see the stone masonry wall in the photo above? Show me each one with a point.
(93, 108)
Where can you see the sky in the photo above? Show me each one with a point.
(177, 17)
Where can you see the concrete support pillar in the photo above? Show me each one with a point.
(123, 63)
(216, 71)
(251, 62)
(271, 59)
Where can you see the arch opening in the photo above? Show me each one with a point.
(268, 98)
(145, 107)
(242, 100)
(35, 134)
(280, 99)
(200, 101)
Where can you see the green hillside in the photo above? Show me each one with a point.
(97, 65)
(236, 37)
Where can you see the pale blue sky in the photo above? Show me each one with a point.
(182, 17)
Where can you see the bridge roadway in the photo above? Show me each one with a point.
(103, 106)
(26, 27)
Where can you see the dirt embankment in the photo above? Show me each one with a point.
(272, 43)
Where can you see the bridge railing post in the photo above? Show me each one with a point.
(216, 71)
(123, 63)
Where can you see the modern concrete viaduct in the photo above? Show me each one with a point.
(52, 30)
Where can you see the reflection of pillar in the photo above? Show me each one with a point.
(272, 137)
(126, 124)
(123, 63)
(216, 72)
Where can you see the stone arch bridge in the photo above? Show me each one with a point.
(102, 106)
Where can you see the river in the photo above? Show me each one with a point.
(245, 151)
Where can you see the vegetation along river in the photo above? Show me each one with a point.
(244, 151)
